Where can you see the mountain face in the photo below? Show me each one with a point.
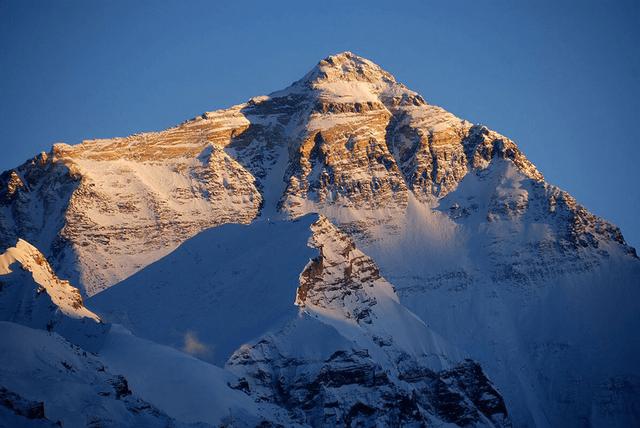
(444, 280)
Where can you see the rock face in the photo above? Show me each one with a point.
(477, 245)
(349, 388)
(103, 209)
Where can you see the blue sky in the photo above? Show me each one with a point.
(561, 78)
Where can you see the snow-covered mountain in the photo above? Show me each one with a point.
(443, 282)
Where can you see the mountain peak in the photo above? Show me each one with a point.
(347, 66)
(349, 78)
(24, 265)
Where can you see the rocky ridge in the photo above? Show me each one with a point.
(31, 294)
(378, 361)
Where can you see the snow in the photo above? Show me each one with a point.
(348, 92)
(304, 337)
(231, 289)
(274, 185)
(75, 387)
(38, 365)
(227, 286)
(185, 387)
(62, 294)
(389, 318)
(558, 346)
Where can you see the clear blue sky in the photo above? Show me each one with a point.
(562, 78)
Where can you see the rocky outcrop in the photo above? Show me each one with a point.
(23, 408)
(338, 278)
(31, 294)
(349, 388)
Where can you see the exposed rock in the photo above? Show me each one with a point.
(31, 294)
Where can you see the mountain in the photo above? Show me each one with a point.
(440, 256)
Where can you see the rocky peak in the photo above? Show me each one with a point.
(477, 245)
(347, 141)
(31, 294)
(347, 66)
(347, 78)
(14, 183)
(66, 297)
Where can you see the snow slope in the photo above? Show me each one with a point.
(217, 291)
(64, 385)
(550, 319)
(184, 387)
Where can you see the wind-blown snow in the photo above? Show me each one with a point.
(540, 340)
